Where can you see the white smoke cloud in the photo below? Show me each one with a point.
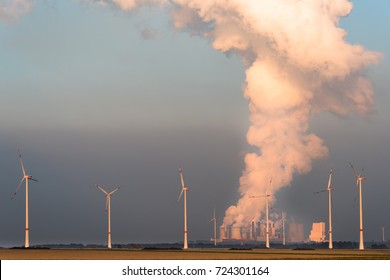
(128, 5)
(11, 10)
(131, 4)
(298, 63)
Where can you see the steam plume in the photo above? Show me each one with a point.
(298, 64)
(10, 10)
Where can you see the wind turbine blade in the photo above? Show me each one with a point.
(33, 179)
(330, 179)
(355, 199)
(180, 194)
(107, 203)
(213, 219)
(114, 191)
(17, 188)
(21, 163)
(256, 196)
(354, 171)
(361, 172)
(270, 182)
(321, 191)
(100, 188)
(181, 178)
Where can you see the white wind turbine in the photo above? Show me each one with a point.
(283, 227)
(383, 234)
(329, 189)
(184, 190)
(25, 178)
(108, 209)
(215, 228)
(359, 180)
(266, 196)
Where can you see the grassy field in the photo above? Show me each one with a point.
(191, 254)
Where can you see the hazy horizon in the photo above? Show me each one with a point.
(92, 94)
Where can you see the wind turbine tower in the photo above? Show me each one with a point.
(283, 227)
(215, 228)
(359, 180)
(108, 209)
(266, 196)
(329, 189)
(383, 234)
(25, 178)
(184, 193)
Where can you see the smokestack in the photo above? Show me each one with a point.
(252, 231)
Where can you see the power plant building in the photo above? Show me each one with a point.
(255, 231)
(236, 233)
(222, 233)
(317, 233)
(296, 233)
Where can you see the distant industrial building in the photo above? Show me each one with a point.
(296, 233)
(255, 231)
(317, 233)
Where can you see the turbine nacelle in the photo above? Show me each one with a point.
(108, 195)
(30, 178)
(181, 193)
(358, 176)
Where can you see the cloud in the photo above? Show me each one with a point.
(11, 10)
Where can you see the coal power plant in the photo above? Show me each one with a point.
(256, 231)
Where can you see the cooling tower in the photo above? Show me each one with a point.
(222, 233)
(295, 233)
(236, 233)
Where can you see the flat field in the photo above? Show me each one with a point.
(192, 254)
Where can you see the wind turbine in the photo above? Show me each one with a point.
(359, 180)
(266, 196)
(184, 190)
(215, 228)
(383, 234)
(25, 178)
(108, 209)
(283, 226)
(329, 189)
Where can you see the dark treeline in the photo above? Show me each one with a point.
(210, 245)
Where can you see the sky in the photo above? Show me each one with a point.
(94, 94)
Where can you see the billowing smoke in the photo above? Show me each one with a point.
(10, 10)
(298, 64)
(128, 5)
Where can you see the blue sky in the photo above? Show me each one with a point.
(88, 99)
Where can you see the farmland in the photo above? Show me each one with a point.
(191, 254)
